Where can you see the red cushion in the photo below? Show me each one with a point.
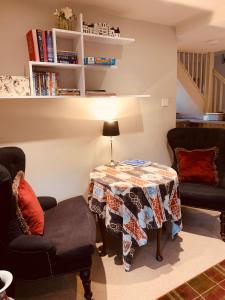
(197, 165)
(29, 205)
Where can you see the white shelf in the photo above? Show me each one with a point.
(39, 97)
(66, 34)
(72, 97)
(54, 65)
(130, 96)
(121, 96)
(100, 67)
(78, 45)
(69, 34)
(96, 38)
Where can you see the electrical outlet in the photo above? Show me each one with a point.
(164, 102)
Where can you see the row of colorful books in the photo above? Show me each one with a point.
(45, 83)
(40, 45)
(67, 57)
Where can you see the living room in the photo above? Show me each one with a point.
(63, 138)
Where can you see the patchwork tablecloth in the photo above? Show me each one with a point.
(134, 199)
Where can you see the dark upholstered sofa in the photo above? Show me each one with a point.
(197, 194)
(69, 235)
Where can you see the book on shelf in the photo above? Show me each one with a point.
(68, 92)
(49, 43)
(45, 83)
(40, 45)
(67, 57)
(44, 43)
(99, 93)
(32, 44)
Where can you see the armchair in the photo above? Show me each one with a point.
(195, 194)
(68, 241)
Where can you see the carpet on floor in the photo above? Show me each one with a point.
(197, 248)
(208, 285)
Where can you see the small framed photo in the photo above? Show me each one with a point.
(14, 86)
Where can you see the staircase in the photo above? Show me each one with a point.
(218, 92)
(204, 84)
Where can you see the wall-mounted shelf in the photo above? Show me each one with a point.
(54, 65)
(95, 38)
(100, 67)
(66, 34)
(38, 97)
(78, 40)
(75, 97)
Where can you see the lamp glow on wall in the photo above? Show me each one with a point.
(106, 108)
(110, 129)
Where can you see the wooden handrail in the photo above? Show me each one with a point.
(219, 95)
(219, 76)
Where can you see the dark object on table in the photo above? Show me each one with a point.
(111, 128)
(2, 283)
(69, 236)
(195, 194)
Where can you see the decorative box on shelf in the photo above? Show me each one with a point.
(101, 29)
(11, 86)
(99, 61)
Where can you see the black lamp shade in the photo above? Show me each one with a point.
(111, 128)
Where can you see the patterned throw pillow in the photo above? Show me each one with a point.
(197, 165)
(28, 210)
(22, 223)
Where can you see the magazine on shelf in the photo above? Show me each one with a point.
(136, 162)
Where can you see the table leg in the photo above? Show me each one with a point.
(102, 231)
(158, 250)
(164, 226)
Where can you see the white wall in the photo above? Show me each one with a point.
(184, 103)
(62, 138)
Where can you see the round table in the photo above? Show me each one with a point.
(134, 199)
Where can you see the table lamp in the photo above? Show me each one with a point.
(111, 128)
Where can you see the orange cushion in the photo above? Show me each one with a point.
(197, 165)
(29, 205)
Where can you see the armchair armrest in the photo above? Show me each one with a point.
(31, 243)
(31, 256)
(47, 202)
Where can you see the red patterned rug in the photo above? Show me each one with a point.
(209, 285)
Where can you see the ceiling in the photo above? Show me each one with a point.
(200, 24)
(167, 12)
